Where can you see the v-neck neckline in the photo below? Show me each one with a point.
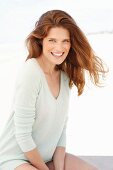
(44, 76)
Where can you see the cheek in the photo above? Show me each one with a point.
(46, 48)
(68, 48)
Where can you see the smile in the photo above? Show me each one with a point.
(57, 54)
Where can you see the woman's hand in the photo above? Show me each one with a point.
(50, 165)
(36, 160)
(58, 158)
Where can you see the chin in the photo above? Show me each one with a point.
(58, 63)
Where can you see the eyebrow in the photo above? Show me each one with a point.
(62, 40)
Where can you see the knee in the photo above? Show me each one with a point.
(94, 168)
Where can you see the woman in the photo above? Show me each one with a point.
(35, 134)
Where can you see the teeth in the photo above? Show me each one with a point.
(57, 54)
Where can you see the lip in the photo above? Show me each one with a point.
(57, 54)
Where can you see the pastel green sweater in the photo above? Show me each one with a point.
(38, 119)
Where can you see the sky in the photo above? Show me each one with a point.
(17, 17)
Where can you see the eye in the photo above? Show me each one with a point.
(67, 41)
(52, 40)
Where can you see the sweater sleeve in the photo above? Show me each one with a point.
(62, 140)
(27, 90)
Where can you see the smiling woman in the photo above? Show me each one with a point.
(34, 137)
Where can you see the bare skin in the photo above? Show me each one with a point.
(53, 80)
(54, 84)
(71, 163)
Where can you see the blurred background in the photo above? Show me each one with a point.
(90, 124)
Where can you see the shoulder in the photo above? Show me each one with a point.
(66, 81)
(31, 67)
(65, 77)
(29, 72)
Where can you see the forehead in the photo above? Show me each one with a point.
(58, 32)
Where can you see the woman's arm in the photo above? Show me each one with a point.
(27, 90)
(58, 158)
(59, 154)
(36, 160)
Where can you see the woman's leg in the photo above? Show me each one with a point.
(73, 163)
(50, 165)
(26, 166)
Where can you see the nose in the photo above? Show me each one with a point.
(59, 46)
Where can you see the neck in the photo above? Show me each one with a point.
(48, 68)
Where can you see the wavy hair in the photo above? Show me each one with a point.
(81, 56)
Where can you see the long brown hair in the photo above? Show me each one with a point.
(81, 56)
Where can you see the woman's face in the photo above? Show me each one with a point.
(56, 45)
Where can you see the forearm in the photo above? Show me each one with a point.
(58, 158)
(36, 160)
